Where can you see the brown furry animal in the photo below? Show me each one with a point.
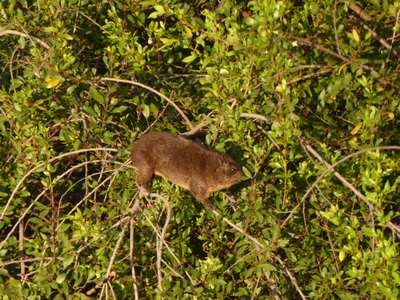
(184, 163)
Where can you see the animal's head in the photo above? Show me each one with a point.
(228, 171)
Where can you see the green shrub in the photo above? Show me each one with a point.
(287, 88)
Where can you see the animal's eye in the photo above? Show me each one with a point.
(233, 171)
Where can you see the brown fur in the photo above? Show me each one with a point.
(184, 163)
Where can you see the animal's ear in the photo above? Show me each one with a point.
(218, 161)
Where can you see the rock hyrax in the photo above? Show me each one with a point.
(184, 163)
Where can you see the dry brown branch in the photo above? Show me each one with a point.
(392, 226)
(105, 285)
(50, 161)
(109, 274)
(395, 27)
(21, 246)
(153, 91)
(21, 218)
(359, 11)
(154, 195)
(376, 36)
(384, 81)
(161, 242)
(93, 290)
(125, 225)
(330, 169)
(308, 76)
(131, 251)
(335, 26)
(25, 35)
(273, 286)
(204, 123)
(29, 260)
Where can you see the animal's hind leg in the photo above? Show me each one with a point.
(145, 176)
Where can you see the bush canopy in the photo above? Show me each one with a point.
(303, 94)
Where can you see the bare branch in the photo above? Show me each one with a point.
(376, 36)
(32, 38)
(355, 191)
(50, 161)
(384, 81)
(153, 91)
(359, 11)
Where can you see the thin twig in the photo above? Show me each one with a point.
(259, 246)
(154, 195)
(309, 76)
(29, 260)
(272, 284)
(20, 219)
(355, 191)
(25, 35)
(161, 241)
(395, 27)
(153, 91)
(359, 11)
(335, 26)
(45, 190)
(376, 36)
(21, 246)
(114, 295)
(50, 161)
(125, 224)
(384, 81)
(204, 123)
(123, 220)
(88, 195)
(131, 251)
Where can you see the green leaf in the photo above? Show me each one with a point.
(355, 35)
(246, 172)
(189, 59)
(96, 95)
(90, 110)
(119, 109)
(60, 278)
(230, 67)
(268, 267)
(159, 12)
(68, 259)
(387, 292)
(145, 111)
(216, 282)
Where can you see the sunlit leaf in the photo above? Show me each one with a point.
(342, 255)
(52, 81)
(355, 35)
(356, 129)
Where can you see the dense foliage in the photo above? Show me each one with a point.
(287, 88)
